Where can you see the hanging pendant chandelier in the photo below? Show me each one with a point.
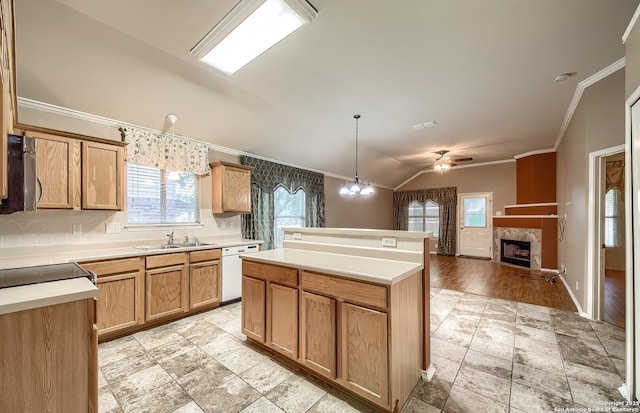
(357, 186)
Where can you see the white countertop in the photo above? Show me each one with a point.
(360, 232)
(349, 266)
(32, 256)
(27, 297)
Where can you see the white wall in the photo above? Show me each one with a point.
(597, 123)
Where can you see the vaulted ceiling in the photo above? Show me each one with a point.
(483, 70)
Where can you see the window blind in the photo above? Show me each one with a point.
(611, 218)
(157, 196)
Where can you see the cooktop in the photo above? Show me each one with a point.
(14, 277)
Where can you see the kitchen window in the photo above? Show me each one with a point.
(161, 196)
(288, 212)
(424, 217)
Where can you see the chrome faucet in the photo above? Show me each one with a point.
(170, 242)
(186, 239)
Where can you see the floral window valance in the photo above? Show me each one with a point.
(166, 151)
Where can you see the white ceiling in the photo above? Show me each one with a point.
(483, 70)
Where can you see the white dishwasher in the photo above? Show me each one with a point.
(232, 271)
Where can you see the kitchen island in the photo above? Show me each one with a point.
(331, 307)
(49, 347)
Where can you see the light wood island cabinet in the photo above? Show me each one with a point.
(121, 300)
(359, 335)
(50, 362)
(167, 286)
(231, 186)
(271, 314)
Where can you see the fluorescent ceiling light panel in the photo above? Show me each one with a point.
(252, 27)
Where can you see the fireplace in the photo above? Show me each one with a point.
(515, 252)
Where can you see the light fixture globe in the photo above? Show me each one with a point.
(356, 187)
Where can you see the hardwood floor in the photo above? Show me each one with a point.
(495, 280)
(614, 297)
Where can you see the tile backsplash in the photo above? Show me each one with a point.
(55, 228)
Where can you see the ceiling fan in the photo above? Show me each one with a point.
(444, 162)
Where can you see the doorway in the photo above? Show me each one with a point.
(613, 243)
(605, 234)
(475, 229)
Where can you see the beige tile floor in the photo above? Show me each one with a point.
(491, 356)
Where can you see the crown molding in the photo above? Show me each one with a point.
(612, 68)
(112, 123)
(538, 152)
(631, 25)
(475, 165)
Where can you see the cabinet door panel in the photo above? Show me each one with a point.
(204, 284)
(318, 333)
(57, 166)
(102, 176)
(118, 302)
(166, 292)
(282, 319)
(236, 189)
(364, 364)
(253, 308)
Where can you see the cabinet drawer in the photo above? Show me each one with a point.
(112, 266)
(280, 275)
(205, 255)
(354, 291)
(165, 260)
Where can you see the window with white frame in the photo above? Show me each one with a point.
(159, 196)
(288, 212)
(611, 216)
(424, 217)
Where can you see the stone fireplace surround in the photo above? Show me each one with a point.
(532, 235)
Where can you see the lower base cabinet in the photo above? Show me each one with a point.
(138, 291)
(318, 333)
(282, 319)
(167, 286)
(121, 300)
(50, 364)
(204, 279)
(364, 352)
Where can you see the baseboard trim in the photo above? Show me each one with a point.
(573, 297)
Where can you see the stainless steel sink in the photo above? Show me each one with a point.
(171, 246)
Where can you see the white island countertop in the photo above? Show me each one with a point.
(27, 297)
(374, 270)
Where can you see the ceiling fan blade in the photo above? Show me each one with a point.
(461, 160)
(453, 164)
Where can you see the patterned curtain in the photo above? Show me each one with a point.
(163, 151)
(447, 200)
(615, 177)
(265, 178)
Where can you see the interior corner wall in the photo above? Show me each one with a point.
(597, 123)
(375, 211)
(500, 179)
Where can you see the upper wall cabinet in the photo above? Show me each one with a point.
(231, 188)
(102, 176)
(78, 174)
(7, 87)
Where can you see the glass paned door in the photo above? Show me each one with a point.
(475, 212)
(475, 235)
